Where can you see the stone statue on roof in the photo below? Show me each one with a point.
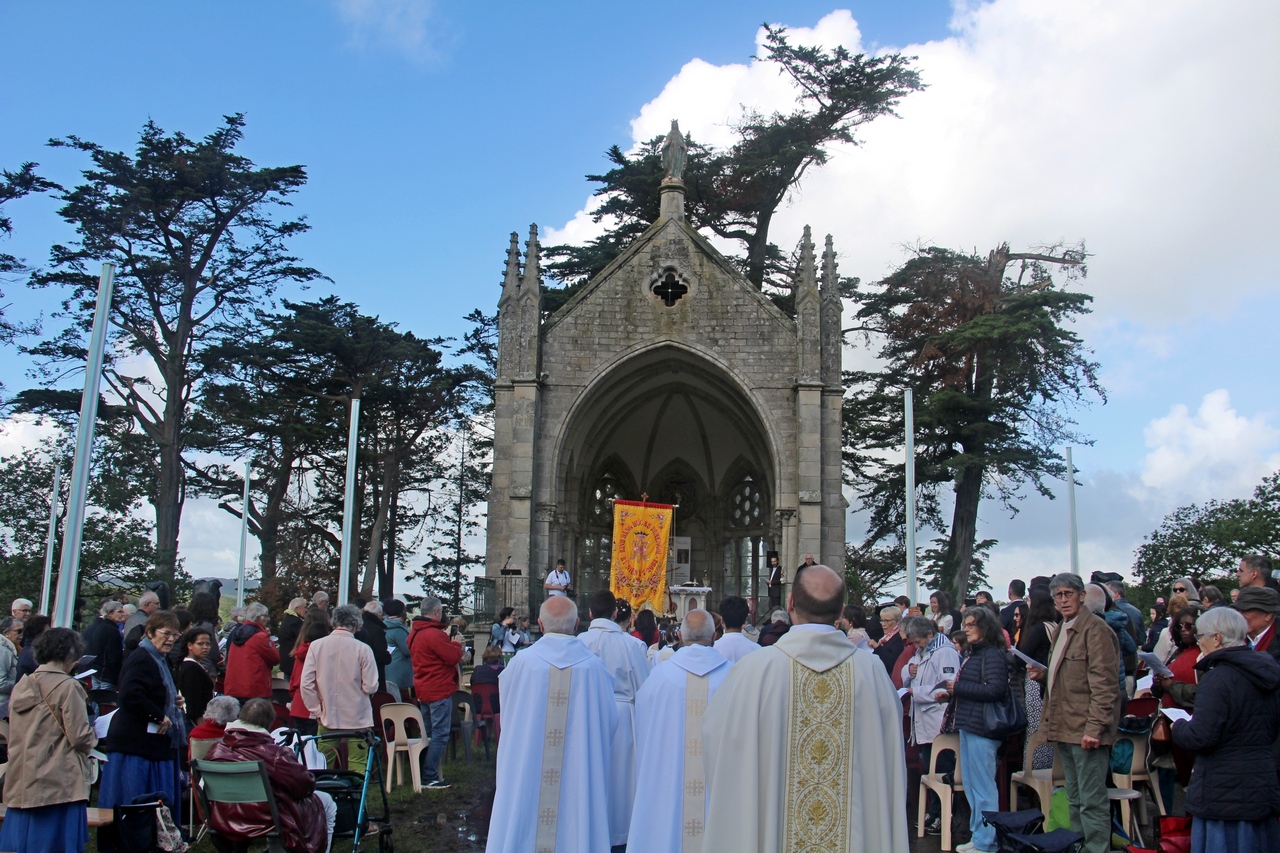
(674, 152)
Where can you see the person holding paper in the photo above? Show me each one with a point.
(1082, 711)
(1234, 795)
(1179, 689)
(148, 728)
(935, 662)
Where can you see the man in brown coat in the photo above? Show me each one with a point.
(1082, 708)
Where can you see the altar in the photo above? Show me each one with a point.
(686, 598)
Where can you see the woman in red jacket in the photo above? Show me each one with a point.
(250, 657)
(314, 626)
(306, 815)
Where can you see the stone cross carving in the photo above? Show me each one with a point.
(674, 152)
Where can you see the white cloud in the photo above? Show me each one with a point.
(1143, 130)
(1215, 453)
(21, 432)
(400, 25)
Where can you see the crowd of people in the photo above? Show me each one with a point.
(717, 734)
(629, 731)
(162, 681)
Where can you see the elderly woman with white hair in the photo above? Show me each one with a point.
(251, 656)
(1234, 795)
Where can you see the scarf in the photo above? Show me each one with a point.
(178, 731)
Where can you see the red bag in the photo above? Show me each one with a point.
(1173, 835)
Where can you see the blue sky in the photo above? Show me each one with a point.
(432, 130)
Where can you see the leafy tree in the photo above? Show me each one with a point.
(116, 548)
(735, 193)
(1206, 541)
(194, 231)
(454, 520)
(983, 344)
(13, 186)
(869, 571)
(286, 403)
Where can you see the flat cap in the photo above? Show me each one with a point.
(1258, 598)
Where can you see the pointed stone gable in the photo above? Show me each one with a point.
(667, 374)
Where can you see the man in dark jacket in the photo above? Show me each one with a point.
(1017, 592)
(287, 636)
(1082, 708)
(250, 657)
(306, 815)
(373, 634)
(435, 657)
(102, 639)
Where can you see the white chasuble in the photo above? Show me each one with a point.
(670, 806)
(804, 751)
(558, 720)
(624, 659)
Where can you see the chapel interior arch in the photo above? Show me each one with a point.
(673, 425)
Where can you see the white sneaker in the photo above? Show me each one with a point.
(967, 847)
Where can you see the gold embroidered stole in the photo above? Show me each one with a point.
(692, 823)
(819, 785)
(552, 759)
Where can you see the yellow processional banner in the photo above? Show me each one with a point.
(641, 532)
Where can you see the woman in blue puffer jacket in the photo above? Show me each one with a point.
(983, 678)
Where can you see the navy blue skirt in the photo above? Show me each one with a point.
(1235, 836)
(127, 776)
(61, 828)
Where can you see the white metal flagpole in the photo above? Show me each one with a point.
(1071, 511)
(244, 536)
(46, 589)
(911, 494)
(69, 566)
(349, 504)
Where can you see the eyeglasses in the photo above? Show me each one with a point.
(968, 625)
(169, 635)
(1063, 594)
(1179, 589)
(1200, 637)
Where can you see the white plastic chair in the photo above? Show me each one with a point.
(398, 714)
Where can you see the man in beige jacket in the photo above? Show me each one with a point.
(1082, 707)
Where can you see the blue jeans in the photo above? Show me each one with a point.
(438, 716)
(978, 772)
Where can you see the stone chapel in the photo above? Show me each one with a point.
(668, 375)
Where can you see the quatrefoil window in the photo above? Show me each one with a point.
(668, 287)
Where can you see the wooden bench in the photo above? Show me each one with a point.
(97, 817)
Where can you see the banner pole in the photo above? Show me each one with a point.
(72, 535)
(910, 463)
(46, 589)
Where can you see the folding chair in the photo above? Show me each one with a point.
(199, 749)
(239, 782)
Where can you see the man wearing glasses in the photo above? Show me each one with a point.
(1082, 707)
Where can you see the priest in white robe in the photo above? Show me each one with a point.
(803, 741)
(624, 660)
(558, 720)
(670, 808)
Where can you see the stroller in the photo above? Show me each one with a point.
(350, 790)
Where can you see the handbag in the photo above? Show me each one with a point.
(1005, 717)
